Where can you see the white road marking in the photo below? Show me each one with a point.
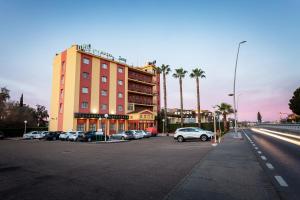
(296, 142)
(256, 148)
(254, 145)
(263, 157)
(281, 181)
(259, 152)
(270, 166)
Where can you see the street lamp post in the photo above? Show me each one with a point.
(106, 116)
(25, 122)
(99, 127)
(163, 120)
(234, 103)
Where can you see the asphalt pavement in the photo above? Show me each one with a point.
(281, 159)
(143, 169)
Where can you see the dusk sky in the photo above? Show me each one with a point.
(184, 34)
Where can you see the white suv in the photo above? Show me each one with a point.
(182, 134)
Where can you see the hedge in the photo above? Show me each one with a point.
(18, 132)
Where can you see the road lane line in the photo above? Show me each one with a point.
(259, 152)
(270, 166)
(276, 136)
(281, 181)
(263, 157)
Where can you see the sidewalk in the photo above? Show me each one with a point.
(229, 171)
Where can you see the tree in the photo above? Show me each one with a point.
(198, 73)
(4, 97)
(41, 115)
(259, 117)
(225, 109)
(21, 100)
(295, 102)
(180, 74)
(165, 70)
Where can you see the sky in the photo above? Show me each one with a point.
(186, 34)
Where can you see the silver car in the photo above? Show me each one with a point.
(137, 134)
(146, 134)
(124, 135)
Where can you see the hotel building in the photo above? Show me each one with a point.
(92, 90)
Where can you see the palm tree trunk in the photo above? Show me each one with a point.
(225, 122)
(181, 102)
(165, 101)
(198, 103)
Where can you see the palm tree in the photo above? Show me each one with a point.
(165, 70)
(225, 109)
(198, 73)
(180, 74)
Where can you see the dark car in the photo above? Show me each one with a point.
(1, 135)
(53, 135)
(91, 136)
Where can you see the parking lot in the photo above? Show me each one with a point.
(139, 169)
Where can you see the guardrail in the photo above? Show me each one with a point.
(293, 127)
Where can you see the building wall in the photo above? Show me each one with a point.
(95, 87)
(112, 88)
(54, 103)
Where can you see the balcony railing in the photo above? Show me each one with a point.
(140, 88)
(139, 77)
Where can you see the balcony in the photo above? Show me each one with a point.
(140, 100)
(140, 89)
(140, 78)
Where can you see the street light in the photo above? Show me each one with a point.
(215, 128)
(25, 122)
(106, 116)
(163, 120)
(234, 103)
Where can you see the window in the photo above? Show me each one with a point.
(103, 106)
(130, 106)
(120, 69)
(112, 126)
(60, 108)
(85, 90)
(80, 127)
(120, 108)
(84, 105)
(104, 66)
(121, 127)
(63, 66)
(62, 80)
(85, 75)
(103, 92)
(120, 82)
(92, 127)
(120, 95)
(103, 79)
(86, 61)
(61, 93)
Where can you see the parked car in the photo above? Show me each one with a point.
(146, 134)
(90, 136)
(152, 130)
(182, 134)
(41, 135)
(53, 135)
(66, 135)
(124, 135)
(74, 136)
(2, 136)
(137, 134)
(31, 135)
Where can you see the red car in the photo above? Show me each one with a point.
(152, 130)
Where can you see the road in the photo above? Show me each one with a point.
(142, 169)
(280, 159)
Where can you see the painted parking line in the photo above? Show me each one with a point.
(281, 181)
(259, 152)
(270, 166)
(256, 148)
(263, 157)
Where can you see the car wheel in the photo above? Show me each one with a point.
(54, 138)
(180, 139)
(89, 139)
(203, 138)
